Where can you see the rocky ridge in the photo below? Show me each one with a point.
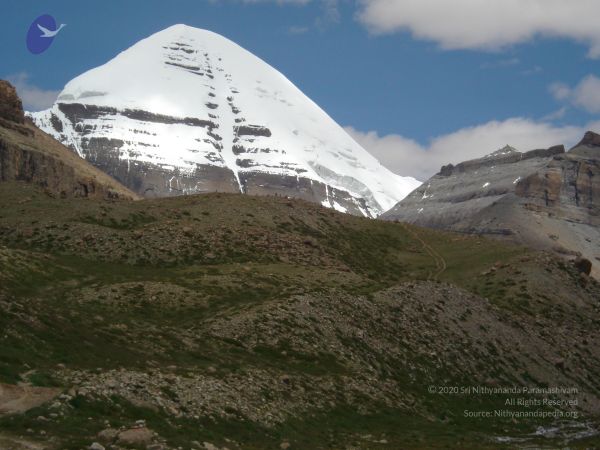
(11, 108)
(548, 198)
(28, 154)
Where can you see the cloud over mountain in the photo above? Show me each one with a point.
(405, 156)
(485, 25)
(585, 95)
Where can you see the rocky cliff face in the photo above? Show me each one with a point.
(547, 198)
(28, 154)
(188, 111)
(11, 108)
(569, 185)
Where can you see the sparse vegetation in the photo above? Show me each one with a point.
(245, 322)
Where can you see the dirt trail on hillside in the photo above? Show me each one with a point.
(439, 261)
(18, 399)
(13, 443)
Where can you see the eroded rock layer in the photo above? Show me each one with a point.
(548, 198)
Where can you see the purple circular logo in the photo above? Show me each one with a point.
(41, 34)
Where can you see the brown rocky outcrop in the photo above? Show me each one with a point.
(569, 183)
(19, 399)
(583, 265)
(544, 187)
(11, 108)
(57, 177)
(30, 155)
(135, 436)
(590, 139)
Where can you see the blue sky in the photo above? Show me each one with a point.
(414, 84)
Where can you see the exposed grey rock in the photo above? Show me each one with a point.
(549, 199)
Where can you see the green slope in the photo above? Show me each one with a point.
(250, 322)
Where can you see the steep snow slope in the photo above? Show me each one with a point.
(187, 110)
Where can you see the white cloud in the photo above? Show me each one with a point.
(407, 157)
(560, 91)
(585, 95)
(33, 97)
(485, 24)
(556, 115)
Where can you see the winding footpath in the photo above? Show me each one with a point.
(439, 261)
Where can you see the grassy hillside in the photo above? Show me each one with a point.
(254, 323)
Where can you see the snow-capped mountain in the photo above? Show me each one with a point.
(186, 110)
